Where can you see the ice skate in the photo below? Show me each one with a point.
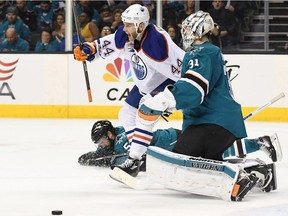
(243, 185)
(271, 146)
(267, 176)
(130, 166)
(143, 164)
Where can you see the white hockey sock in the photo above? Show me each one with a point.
(140, 142)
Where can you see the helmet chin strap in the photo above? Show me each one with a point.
(139, 35)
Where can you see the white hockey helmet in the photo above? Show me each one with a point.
(195, 27)
(136, 14)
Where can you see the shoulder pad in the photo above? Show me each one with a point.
(155, 44)
(120, 38)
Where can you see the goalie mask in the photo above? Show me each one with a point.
(136, 14)
(99, 132)
(195, 27)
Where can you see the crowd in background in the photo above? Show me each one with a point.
(40, 25)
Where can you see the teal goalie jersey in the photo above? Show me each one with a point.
(204, 92)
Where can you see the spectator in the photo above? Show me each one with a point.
(189, 8)
(13, 43)
(227, 22)
(28, 17)
(13, 20)
(89, 29)
(105, 17)
(238, 8)
(74, 38)
(125, 4)
(3, 8)
(174, 34)
(152, 12)
(116, 22)
(170, 13)
(59, 20)
(106, 30)
(47, 42)
(82, 4)
(45, 14)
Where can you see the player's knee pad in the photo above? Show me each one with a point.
(147, 116)
(151, 109)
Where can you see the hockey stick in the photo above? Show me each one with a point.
(81, 44)
(121, 176)
(111, 156)
(278, 97)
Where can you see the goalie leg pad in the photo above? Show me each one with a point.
(198, 175)
(191, 174)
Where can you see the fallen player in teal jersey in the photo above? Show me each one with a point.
(112, 144)
(112, 147)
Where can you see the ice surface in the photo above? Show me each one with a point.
(39, 173)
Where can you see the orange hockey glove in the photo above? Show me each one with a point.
(87, 52)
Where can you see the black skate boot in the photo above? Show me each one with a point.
(267, 176)
(131, 166)
(243, 185)
(271, 146)
(143, 164)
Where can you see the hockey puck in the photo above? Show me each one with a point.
(56, 212)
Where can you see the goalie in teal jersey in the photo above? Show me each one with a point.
(212, 119)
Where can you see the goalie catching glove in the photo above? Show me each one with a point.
(87, 52)
(153, 107)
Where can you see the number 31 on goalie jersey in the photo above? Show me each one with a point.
(193, 63)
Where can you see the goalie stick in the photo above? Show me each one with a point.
(259, 109)
(81, 44)
(278, 97)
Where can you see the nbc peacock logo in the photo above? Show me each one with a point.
(7, 69)
(118, 71)
(6, 72)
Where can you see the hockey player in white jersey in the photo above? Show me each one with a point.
(155, 59)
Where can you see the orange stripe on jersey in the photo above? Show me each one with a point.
(143, 137)
(148, 117)
(130, 137)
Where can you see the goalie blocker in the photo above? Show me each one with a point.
(198, 175)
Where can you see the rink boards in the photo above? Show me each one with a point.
(53, 86)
